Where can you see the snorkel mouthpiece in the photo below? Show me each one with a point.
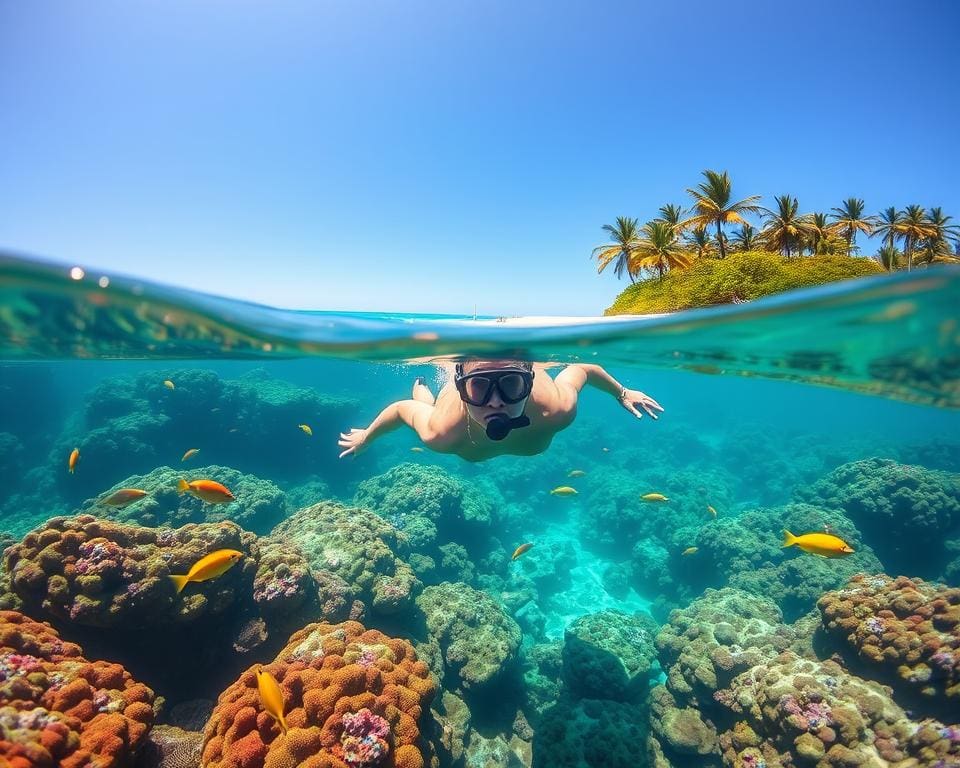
(501, 425)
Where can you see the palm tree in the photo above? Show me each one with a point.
(914, 227)
(624, 236)
(888, 226)
(784, 229)
(850, 220)
(700, 241)
(711, 205)
(818, 233)
(936, 246)
(672, 214)
(889, 257)
(659, 249)
(745, 238)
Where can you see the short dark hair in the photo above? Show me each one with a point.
(505, 363)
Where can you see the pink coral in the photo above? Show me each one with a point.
(364, 738)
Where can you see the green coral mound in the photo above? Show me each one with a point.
(590, 734)
(609, 655)
(477, 639)
(259, 504)
(353, 550)
(427, 503)
(906, 512)
(739, 277)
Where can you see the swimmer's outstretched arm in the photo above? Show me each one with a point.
(413, 413)
(573, 378)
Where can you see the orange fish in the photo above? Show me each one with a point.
(823, 544)
(209, 491)
(520, 550)
(208, 567)
(190, 454)
(74, 456)
(123, 497)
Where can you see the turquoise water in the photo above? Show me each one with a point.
(828, 410)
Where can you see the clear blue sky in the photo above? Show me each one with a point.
(414, 156)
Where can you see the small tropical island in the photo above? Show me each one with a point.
(684, 257)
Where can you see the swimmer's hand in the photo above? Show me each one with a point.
(631, 398)
(354, 442)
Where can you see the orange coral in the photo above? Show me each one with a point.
(58, 709)
(328, 673)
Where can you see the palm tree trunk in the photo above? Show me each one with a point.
(723, 250)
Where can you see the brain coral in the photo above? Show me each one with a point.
(59, 710)
(358, 548)
(353, 698)
(259, 504)
(906, 626)
(100, 573)
(477, 638)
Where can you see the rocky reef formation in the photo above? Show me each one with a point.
(356, 557)
(905, 631)
(609, 655)
(353, 698)
(60, 710)
(744, 689)
(907, 513)
(472, 634)
(259, 504)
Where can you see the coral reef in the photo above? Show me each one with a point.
(59, 710)
(590, 734)
(477, 639)
(353, 698)
(609, 655)
(906, 512)
(100, 573)
(430, 505)
(168, 746)
(355, 555)
(259, 505)
(905, 629)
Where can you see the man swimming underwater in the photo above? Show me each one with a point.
(495, 407)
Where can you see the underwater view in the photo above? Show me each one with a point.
(241, 537)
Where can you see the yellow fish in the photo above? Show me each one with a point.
(563, 490)
(168, 384)
(208, 567)
(123, 497)
(576, 473)
(190, 454)
(416, 449)
(209, 491)
(521, 549)
(711, 510)
(654, 497)
(306, 429)
(271, 696)
(74, 457)
(689, 551)
(823, 544)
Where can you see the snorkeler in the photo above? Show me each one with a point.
(495, 407)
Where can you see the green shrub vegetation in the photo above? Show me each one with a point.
(739, 277)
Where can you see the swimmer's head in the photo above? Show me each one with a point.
(494, 389)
